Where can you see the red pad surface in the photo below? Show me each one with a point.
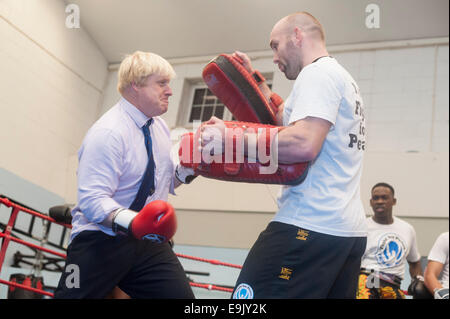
(237, 90)
(243, 170)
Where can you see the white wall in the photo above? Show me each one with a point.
(51, 86)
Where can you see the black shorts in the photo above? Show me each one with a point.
(290, 262)
(97, 262)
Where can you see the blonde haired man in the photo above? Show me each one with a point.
(124, 165)
(135, 68)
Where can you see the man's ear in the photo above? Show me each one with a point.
(298, 36)
(134, 86)
(394, 201)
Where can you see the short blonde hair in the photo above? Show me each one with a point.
(135, 68)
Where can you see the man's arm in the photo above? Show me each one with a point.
(280, 115)
(415, 269)
(98, 175)
(432, 272)
(176, 182)
(297, 143)
(302, 141)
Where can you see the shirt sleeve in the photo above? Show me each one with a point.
(439, 251)
(172, 183)
(414, 254)
(317, 94)
(175, 159)
(99, 170)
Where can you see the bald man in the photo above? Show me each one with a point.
(313, 246)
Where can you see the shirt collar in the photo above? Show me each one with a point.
(136, 115)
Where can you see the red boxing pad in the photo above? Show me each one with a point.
(237, 90)
(238, 168)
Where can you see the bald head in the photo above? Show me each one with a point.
(309, 25)
(297, 40)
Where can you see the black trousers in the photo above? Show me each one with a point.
(289, 262)
(97, 262)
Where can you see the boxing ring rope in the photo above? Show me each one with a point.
(210, 287)
(211, 261)
(15, 284)
(6, 237)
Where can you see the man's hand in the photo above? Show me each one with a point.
(156, 222)
(245, 60)
(213, 133)
(441, 293)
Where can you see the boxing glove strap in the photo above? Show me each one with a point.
(259, 78)
(441, 293)
(275, 101)
(122, 220)
(184, 174)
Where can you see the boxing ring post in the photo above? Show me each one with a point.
(6, 234)
(7, 237)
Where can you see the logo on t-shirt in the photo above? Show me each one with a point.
(358, 140)
(391, 250)
(243, 291)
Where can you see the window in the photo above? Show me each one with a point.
(201, 103)
(205, 104)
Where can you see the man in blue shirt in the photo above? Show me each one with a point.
(113, 159)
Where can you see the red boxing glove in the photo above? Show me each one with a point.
(156, 222)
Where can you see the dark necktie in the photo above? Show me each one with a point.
(147, 187)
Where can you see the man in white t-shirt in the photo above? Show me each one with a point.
(391, 242)
(436, 272)
(313, 246)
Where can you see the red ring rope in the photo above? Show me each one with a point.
(211, 261)
(7, 237)
(211, 287)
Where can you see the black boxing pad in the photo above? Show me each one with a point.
(236, 88)
(61, 214)
(418, 290)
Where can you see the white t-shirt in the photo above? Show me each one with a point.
(390, 246)
(439, 253)
(328, 201)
